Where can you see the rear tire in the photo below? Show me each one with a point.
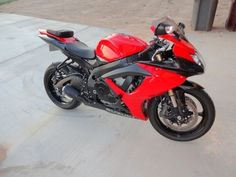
(202, 128)
(51, 92)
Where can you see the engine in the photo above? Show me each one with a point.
(128, 84)
(104, 93)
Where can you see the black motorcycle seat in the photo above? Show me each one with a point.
(61, 33)
(80, 49)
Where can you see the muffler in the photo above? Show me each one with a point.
(71, 92)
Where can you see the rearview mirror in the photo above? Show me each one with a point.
(160, 29)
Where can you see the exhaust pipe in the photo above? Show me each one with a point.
(71, 92)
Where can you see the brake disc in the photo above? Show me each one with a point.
(191, 122)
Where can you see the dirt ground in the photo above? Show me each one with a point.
(128, 15)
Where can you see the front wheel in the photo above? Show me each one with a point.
(196, 119)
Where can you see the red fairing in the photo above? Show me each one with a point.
(181, 47)
(117, 46)
(65, 40)
(160, 82)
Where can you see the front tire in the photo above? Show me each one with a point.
(54, 95)
(208, 117)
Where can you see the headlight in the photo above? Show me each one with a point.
(197, 57)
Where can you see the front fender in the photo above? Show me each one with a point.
(187, 85)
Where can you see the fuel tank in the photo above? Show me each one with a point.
(117, 46)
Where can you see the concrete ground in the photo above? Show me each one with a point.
(39, 139)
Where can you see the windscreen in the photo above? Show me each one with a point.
(169, 22)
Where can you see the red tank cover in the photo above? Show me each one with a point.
(117, 46)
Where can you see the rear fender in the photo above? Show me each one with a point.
(53, 43)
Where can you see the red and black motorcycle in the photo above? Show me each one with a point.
(126, 76)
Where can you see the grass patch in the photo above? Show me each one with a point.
(5, 1)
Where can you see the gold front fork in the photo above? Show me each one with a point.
(173, 98)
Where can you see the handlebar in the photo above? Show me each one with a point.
(154, 46)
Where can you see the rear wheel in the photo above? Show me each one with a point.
(51, 77)
(200, 116)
